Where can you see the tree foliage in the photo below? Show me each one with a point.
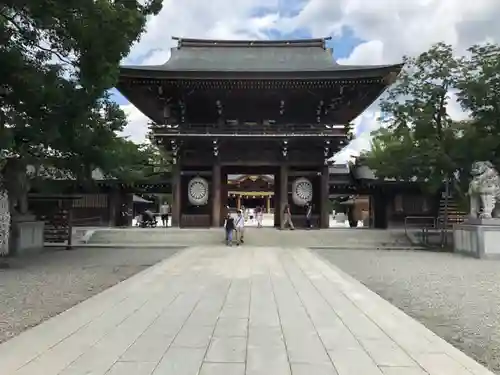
(419, 139)
(134, 162)
(58, 61)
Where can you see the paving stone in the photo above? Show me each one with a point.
(286, 313)
(265, 336)
(194, 336)
(262, 360)
(403, 371)
(235, 311)
(132, 368)
(313, 369)
(230, 327)
(150, 347)
(222, 369)
(353, 362)
(311, 352)
(336, 335)
(180, 361)
(387, 353)
(440, 363)
(100, 357)
(227, 350)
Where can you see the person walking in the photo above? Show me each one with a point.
(164, 209)
(245, 213)
(258, 214)
(239, 223)
(125, 214)
(229, 227)
(308, 215)
(287, 218)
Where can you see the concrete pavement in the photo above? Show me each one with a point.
(235, 311)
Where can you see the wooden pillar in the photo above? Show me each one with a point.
(69, 209)
(216, 194)
(268, 204)
(114, 207)
(176, 195)
(224, 191)
(129, 208)
(238, 201)
(324, 221)
(283, 192)
(380, 211)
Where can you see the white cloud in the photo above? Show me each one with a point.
(393, 28)
(369, 53)
(363, 126)
(403, 27)
(218, 19)
(137, 127)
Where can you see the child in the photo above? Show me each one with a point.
(229, 226)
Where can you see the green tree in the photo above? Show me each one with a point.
(479, 94)
(420, 139)
(392, 155)
(132, 162)
(58, 60)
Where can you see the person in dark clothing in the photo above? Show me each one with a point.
(308, 215)
(353, 223)
(125, 213)
(229, 227)
(148, 219)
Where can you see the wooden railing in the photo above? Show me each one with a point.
(422, 224)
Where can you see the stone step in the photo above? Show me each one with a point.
(349, 238)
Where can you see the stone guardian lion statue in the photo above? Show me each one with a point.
(484, 190)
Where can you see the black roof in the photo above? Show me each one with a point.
(254, 57)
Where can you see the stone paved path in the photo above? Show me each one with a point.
(235, 311)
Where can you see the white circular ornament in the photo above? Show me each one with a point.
(302, 191)
(198, 191)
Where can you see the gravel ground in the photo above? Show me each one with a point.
(38, 287)
(456, 297)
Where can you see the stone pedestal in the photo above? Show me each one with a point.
(479, 238)
(27, 235)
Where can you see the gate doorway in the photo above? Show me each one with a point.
(254, 194)
(252, 189)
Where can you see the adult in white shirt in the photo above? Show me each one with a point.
(164, 209)
(239, 224)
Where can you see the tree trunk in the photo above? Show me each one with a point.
(4, 221)
(17, 185)
(14, 195)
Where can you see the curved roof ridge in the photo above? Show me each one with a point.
(191, 42)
